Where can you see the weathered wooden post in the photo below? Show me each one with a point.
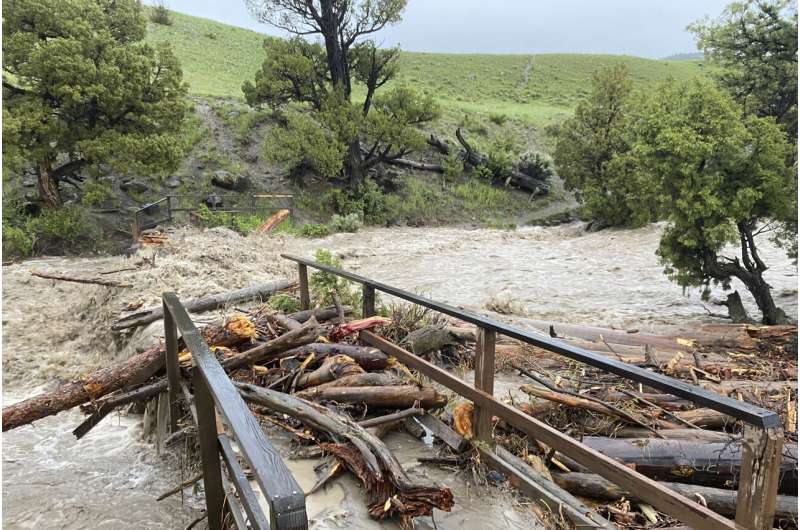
(171, 360)
(758, 479)
(484, 380)
(368, 302)
(209, 450)
(305, 297)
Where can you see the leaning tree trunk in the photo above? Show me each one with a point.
(760, 289)
(48, 186)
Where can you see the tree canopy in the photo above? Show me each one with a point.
(381, 128)
(721, 179)
(591, 150)
(82, 89)
(755, 43)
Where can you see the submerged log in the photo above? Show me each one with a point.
(90, 387)
(93, 281)
(720, 500)
(146, 316)
(391, 491)
(400, 396)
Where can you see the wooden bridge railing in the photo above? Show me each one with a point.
(762, 440)
(215, 399)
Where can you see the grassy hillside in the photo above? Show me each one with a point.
(535, 89)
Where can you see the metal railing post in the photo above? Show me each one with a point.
(305, 296)
(173, 371)
(484, 380)
(368, 302)
(759, 477)
(209, 451)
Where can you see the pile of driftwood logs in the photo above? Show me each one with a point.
(306, 373)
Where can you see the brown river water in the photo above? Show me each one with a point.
(109, 479)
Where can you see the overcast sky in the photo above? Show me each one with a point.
(647, 28)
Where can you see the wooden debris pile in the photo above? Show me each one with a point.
(693, 450)
(303, 372)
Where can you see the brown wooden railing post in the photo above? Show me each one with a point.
(484, 380)
(171, 361)
(209, 450)
(759, 477)
(305, 297)
(368, 302)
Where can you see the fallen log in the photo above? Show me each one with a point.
(391, 491)
(707, 418)
(332, 368)
(702, 463)
(346, 329)
(689, 435)
(90, 387)
(321, 314)
(365, 379)
(106, 406)
(283, 321)
(92, 281)
(390, 418)
(400, 396)
(272, 222)
(146, 316)
(413, 164)
(367, 357)
(515, 177)
(720, 500)
(307, 333)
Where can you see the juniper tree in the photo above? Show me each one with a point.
(378, 129)
(722, 179)
(81, 89)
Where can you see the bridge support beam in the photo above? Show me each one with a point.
(484, 380)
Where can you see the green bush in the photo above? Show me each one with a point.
(346, 223)
(65, 230)
(160, 14)
(284, 303)
(17, 243)
(535, 165)
(312, 230)
(367, 201)
(453, 167)
(96, 192)
(241, 223)
(324, 285)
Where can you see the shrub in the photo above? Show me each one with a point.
(160, 14)
(324, 285)
(453, 167)
(535, 165)
(64, 229)
(243, 224)
(367, 201)
(346, 223)
(96, 192)
(284, 303)
(312, 230)
(16, 242)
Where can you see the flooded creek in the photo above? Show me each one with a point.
(110, 479)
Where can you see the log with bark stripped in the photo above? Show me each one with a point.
(391, 491)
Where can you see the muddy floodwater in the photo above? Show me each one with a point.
(54, 331)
